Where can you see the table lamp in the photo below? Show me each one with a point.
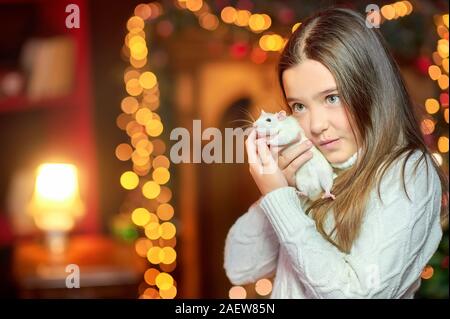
(56, 203)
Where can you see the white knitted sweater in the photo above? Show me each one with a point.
(397, 239)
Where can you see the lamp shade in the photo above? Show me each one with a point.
(56, 203)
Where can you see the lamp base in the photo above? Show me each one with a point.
(56, 242)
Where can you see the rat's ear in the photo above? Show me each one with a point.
(281, 115)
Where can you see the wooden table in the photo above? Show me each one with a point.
(108, 269)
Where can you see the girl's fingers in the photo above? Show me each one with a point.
(289, 154)
(275, 150)
(293, 167)
(251, 148)
(263, 152)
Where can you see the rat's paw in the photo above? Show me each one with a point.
(329, 195)
(301, 193)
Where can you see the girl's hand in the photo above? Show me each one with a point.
(291, 158)
(263, 166)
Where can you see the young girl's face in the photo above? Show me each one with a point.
(312, 95)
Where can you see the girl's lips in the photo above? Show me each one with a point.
(330, 145)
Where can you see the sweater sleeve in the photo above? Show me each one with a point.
(251, 248)
(397, 238)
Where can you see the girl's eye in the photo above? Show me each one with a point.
(333, 99)
(297, 107)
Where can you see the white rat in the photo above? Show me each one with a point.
(317, 173)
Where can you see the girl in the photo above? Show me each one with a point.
(375, 238)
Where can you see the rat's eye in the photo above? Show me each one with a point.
(268, 120)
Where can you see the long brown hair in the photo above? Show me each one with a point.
(380, 111)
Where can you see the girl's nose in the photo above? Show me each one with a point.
(318, 122)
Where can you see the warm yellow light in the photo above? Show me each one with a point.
(165, 211)
(56, 201)
(169, 293)
(445, 65)
(135, 24)
(400, 8)
(129, 105)
(271, 42)
(434, 71)
(295, 26)
(140, 216)
(388, 11)
(130, 74)
(144, 147)
(194, 5)
(409, 7)
(143, 11)
(134, 128)
(138, 159)
(169, 255)
(442, 48)
(237, 292)
(123, 120)
(443, 144)
(165, 195)
(142, 245)
(432, 106)
(228, 14)
(256, 22)
(263, 287)
(138, 63)
(209, 21)
(167, 230)
(446, 115)
(267, 21)
(150, 293)
(445, 19)
(136, 39)
(153, 255)
(138, 51)
(161, 175)
(151, 190)
(427, 272)
(123, 152)
(427, 126)
(154, 128)
(164, 281)
(161, 161)
(133, 87)
(129, 180)
(137, 137)
(242, 18)
(143, 115)
(152, 230)
(436, 58)
(147, 80)
(150, 276)
(443, 82)
(56, 182)
(442, 31)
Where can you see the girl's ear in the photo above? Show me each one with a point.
(262, 112)
(281, 115)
